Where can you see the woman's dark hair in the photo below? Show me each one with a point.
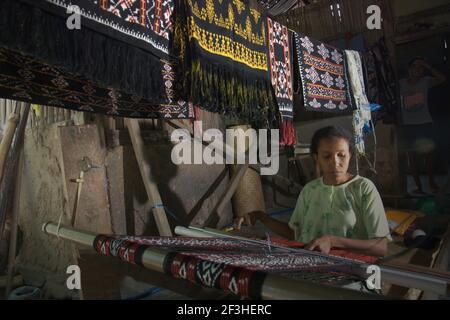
(413, 60)
(329, 133)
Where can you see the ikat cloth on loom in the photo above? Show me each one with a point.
(253, 256)
(27, 79)
(323, 72)
(281, 77)
(228, 264)
(225, 56)
(142, 23)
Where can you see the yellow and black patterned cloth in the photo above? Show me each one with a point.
(223, 45)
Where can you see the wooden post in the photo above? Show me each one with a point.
(7, 139)
(7, 181)
(150, 185)
(14, 226)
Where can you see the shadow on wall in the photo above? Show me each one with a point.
(139, 219)
(188, 192)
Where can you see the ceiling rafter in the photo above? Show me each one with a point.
(277, 7)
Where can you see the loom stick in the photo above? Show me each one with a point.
(349, 265)
(273, 286)
(185, 232)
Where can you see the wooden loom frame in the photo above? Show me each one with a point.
(274, 286)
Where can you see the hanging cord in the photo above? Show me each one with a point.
(167, 210)
(372, 166)
(374, 134)
(59, 224)
(269, 243)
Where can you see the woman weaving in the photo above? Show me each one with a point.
(338, 210)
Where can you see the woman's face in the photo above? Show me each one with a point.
(333, 156)
(416, 71)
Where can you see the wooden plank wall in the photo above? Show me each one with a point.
(317, 21)
(49, 115)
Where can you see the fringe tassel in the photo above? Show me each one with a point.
(104, 60)
(288, 136)
(219, 89)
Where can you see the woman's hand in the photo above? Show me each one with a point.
(322, 244)
(249, 219)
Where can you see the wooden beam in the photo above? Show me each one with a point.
(228, 194)
(416, 36)
(440, 262)
(7, 183)
(14, 226)
(427, 13)
(418, 269)
(150, 185)
(11, 125)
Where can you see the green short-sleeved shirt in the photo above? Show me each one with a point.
(352, 210)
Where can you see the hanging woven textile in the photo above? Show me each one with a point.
(139, 23)
(24, 78)
(105, 66)
(281, 76)
(97, 51)
(372, 89)
(172, 91)
(386, 81)
(323, 72)
(362, 115)
(222, 45)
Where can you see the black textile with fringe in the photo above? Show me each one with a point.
(146, 24)
(24, 78)
(222, 47)
(107, 61)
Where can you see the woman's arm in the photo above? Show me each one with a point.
(375, 247)
(279, 227)
(438, 77)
